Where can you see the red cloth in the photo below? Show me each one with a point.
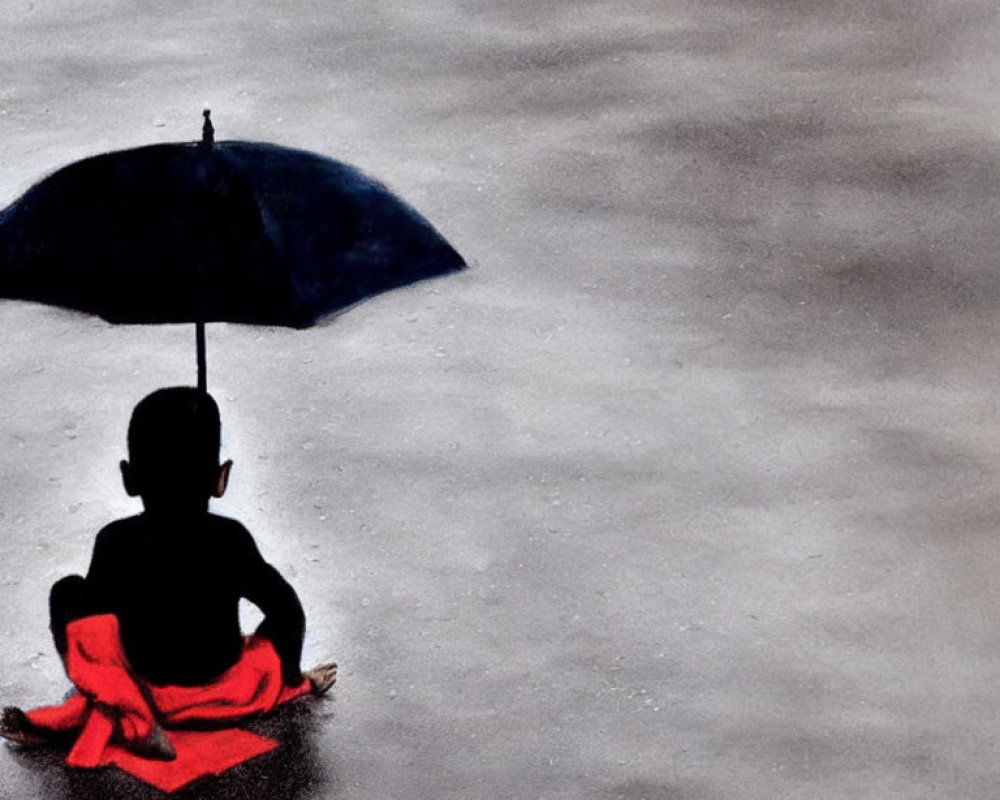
(111, 700)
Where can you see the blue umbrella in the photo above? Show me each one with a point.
(213, 231)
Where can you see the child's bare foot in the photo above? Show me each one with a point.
(321, 678)
(15, 726)
(156, 745)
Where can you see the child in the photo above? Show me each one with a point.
(173, 576)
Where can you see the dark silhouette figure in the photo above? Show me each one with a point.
(174, 574)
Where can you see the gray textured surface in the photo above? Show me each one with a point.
(687, 489)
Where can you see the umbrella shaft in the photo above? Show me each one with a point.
(200, 344)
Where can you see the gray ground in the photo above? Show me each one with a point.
(687, 489)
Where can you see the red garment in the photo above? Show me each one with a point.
(111, 699)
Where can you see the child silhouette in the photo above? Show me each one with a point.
(173, 575)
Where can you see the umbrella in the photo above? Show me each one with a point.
(208, 231)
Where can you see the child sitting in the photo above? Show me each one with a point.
(173, 575)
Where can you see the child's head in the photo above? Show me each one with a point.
(173, 450)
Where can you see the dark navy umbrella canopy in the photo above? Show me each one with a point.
(227, 231)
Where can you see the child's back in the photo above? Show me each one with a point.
(174, 574)
(175, 584)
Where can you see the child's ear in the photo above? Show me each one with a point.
(128, 478)
(223, 480)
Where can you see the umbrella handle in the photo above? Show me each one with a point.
(199, 335)
(207, 140)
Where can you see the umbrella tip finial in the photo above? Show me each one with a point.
(207, 129)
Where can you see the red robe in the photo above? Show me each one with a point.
(110, 700)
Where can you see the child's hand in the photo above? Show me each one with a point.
(321, 678)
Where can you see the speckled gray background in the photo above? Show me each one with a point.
(686, 490)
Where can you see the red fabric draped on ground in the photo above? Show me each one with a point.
(110, 700)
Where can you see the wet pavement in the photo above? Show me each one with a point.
(686, 489)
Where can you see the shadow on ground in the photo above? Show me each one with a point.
(291, 771)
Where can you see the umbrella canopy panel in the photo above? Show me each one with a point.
(240, 232)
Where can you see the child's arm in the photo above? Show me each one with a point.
(105, 568)
(284, 621)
